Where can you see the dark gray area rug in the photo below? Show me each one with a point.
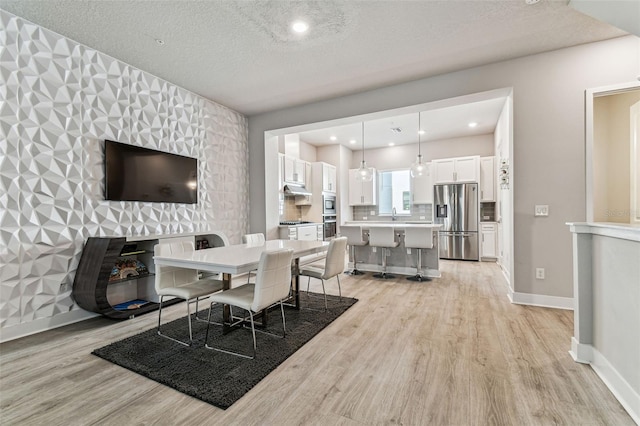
(214, 377)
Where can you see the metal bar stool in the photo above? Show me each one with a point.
(418, 238)
(384, 237)
(354, 238)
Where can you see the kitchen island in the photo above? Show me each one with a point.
(401, 260)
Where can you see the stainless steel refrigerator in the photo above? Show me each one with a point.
(456, 209)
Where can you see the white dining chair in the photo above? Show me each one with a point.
(273, 281)
(182, 283)
(418, 238)
(333, 266)
(256, 239)
(355, 237)
(385, 238)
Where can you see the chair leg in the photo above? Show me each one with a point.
(203, 319)
(418, 276)
(189, 318)
(169, 337)
(384, 274)
(284, 325)
(253, 332)
(325, 294)
(355, 263)
(339, 289)
(308, 284)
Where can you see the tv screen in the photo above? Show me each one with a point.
(133, 173)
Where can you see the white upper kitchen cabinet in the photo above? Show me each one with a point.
(487, 179)
(294, 170)
(328, 178)
(422, 187)
(325, 174)
(456, 170)
(362, 193)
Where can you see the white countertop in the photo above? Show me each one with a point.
(401, 225)
(300, 224)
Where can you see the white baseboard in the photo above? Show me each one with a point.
(542, 300)
(580, 352)
(44, 324)
(628, 397)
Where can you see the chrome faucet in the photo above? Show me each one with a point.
(393, 214)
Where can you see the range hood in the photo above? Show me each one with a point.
(293, 190)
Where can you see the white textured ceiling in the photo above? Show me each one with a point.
(242, 55)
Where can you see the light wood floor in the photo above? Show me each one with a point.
(452, 351)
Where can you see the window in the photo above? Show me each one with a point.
(395, 192)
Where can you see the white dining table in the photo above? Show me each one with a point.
(242, 258)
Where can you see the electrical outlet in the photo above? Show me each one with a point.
(423, 217)
(541, 210)
(373, 249)
(408, 251)
(364, 218)
(540, 273)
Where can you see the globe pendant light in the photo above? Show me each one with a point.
(365, 174)
(418, 168)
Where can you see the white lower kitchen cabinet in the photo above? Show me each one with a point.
(312, 232)
(489, 241)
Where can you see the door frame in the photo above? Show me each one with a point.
(590, 95)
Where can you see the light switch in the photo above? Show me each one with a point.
(372, 213)
(541, 210)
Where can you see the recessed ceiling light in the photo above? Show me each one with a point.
(421, 132)
(160, 42)
(531, 1)
(391, 143)
(473, 124)
(352, 141)
(333, 138)
(300, 27)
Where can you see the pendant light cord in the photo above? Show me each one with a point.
(419, 135)
(363, 141)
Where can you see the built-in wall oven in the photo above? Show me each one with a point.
(329, 228)
(329, 209)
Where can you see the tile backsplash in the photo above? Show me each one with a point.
(418, 212)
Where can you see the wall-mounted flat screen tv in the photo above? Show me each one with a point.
(133, 173)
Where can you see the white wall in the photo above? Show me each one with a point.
(607, 306)
(549, 153)
(60, 101)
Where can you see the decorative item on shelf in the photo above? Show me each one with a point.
(503, 173)
(419, 168)
(131, 304)
(125, 268)
(202, 244)
(365, 174)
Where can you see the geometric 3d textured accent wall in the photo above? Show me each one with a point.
(60, 101)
